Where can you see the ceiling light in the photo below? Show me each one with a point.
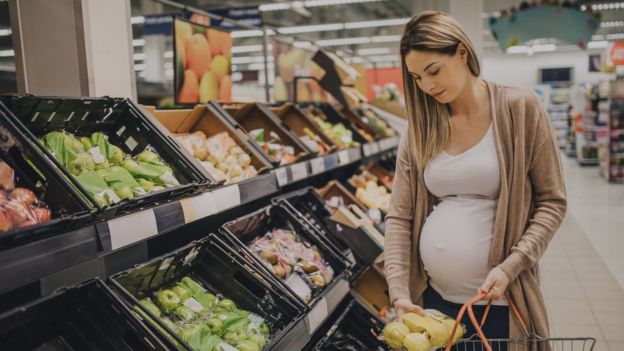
(386, 38)
(138, 42)
(343, 41)
(378, 23)
(140, 67)
(310, 3)
(583, 7)
(137, 20)
(5, 32)
(373, 51)
(247, 48)
(597, 44)
(138, 57)
(611, 24)
(607, 6)
(7, 53)
(311, 28)
(251, 59)
(274, 7)
(615, 36)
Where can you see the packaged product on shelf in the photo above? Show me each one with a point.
(220, 155)
(286, 254)
(313, 142)
(273, 146)
(416, 332)
(105, 171)
(19, 207)
(206, 321)
(338, 133)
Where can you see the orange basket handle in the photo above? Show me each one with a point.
(468, 307)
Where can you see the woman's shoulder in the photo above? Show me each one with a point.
(518, 95)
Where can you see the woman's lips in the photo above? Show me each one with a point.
(439, 94)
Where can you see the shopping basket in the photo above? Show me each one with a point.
(530, 342)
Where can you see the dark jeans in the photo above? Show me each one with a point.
(496, 326)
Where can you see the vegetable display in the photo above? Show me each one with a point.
(289, 257)
(272, 145)
(19, 207)
(422, 333)
(220, 155)
(107, 173)
(205, 321)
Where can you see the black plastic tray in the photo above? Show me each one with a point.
(127, 126)
(84, 317)
(219, 270)
(351, 327)
(34, 171)
(334, 116)
(244, 230)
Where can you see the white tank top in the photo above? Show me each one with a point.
(456, 237)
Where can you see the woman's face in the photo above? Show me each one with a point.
(440, 75)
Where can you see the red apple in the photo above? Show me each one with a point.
(18, 211)
(6, 223)
(24, 196)
(41, 215)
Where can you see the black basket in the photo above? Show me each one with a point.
(310, 207)
(241, 232)
(351, 327)
(126, 126)
(220, 270)
(70, 209)
(84, 317)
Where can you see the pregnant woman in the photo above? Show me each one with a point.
(478, 191)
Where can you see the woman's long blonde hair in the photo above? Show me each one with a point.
(429, 120)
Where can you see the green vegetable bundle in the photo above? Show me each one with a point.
(105, 171)
(204, 321)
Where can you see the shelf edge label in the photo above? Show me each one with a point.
(132, 228)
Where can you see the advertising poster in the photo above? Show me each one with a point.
(291, 62)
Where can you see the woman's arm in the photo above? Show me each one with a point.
(547, 181)
(398, 236)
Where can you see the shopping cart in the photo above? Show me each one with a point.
(530, 342)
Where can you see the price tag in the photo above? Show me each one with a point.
(343, 157)
(368, 149)
(317, 165)
(132, 228)
(299, 171)
(299, 286)
(255, 321)
(193, 305)
(395, 141)
(227, 197)
(375, 147)
(282, 176)
(97, 155)
(317, 315)
(199, 206)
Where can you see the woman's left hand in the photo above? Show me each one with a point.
(495, 285)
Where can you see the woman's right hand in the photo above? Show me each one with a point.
(404, 305)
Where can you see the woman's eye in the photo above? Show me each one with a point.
(434, 73)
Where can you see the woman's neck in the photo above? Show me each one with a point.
(470, 100)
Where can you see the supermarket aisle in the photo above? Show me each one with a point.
(581, 270)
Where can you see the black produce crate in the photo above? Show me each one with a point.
(69, 208)
(241, 232)
(334, 116)
(220, 270)
(351, 327)
(127, 127)
(310, 207)
(84, 317)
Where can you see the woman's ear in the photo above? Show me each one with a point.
(462, 52)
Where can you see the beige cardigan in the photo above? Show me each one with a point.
(531, 207)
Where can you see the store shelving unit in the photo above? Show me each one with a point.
(612, 165)
(590, 133)
(558, 112)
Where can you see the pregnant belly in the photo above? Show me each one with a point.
(455, 244)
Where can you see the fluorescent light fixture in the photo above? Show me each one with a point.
(311, 28)
(280, 6)
(385, 58)
(377, 23)
(615, 36)
(597, 44)
(343, 41)
(518, 49)
(5, 32)
(168, 54)
(246, 48)
(607, 6)
(302, 44)
(7, 53)
(137, 20)
(544, 48)
(386, 38)
(168, 65)
(251, 33)
(140, 67)
(138, 42)
(250, 59)
(373, 51)
(139, 57)
(611, 24)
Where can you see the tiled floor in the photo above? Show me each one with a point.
(583, 269)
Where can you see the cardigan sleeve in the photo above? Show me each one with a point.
(549, 196)
(398, 233)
